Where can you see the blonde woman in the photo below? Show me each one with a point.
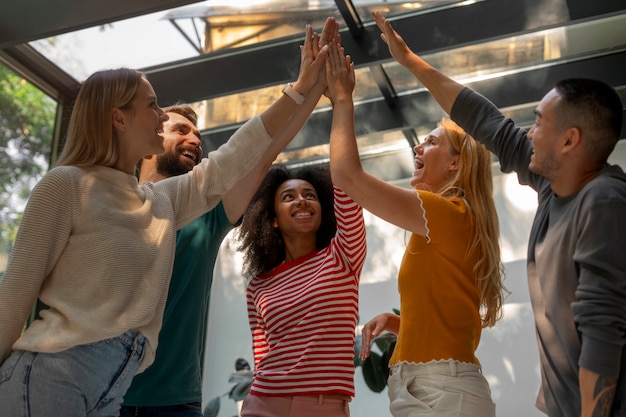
(97, 247)
(450, 279)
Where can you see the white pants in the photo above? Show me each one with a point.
(441, 389)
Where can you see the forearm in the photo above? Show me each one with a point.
(345, 162)
(276, 116)
(393, 323)
(597, 393)
(289, 127)
(237, 199)
(443, 89)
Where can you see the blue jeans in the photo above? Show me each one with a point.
(84, 381)
(182, 410)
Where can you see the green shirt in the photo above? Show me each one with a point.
(175, 377)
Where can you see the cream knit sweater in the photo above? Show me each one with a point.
(98, 249)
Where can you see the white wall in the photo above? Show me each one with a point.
(508, 352)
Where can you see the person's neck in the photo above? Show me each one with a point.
(150, 176)
(572, 182)
(299, 247)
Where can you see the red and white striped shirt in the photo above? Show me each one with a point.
(304, 312)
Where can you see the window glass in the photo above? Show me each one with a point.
(26, 130)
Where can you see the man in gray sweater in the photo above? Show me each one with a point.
(576, 262)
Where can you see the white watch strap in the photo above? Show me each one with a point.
(293, 94)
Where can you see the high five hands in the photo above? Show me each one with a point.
(313, 55)
(339, 74)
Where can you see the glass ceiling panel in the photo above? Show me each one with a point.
(199, 28)
(237, 108)
(536, 48)
(137, 43)
(481, 60)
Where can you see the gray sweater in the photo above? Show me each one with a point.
(576, 265)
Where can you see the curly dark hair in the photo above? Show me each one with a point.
(262, 244)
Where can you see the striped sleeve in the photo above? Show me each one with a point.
(350, 231)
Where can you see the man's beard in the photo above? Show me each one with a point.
(169, 164)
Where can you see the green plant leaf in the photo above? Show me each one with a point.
(373, 373)
(239, 391)
(212, 408)
(240, 376)
(357, 347)
(385, 340)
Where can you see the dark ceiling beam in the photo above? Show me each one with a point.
(350, 17)
(27, 20)
(30, 64)
(420, 110)
(581, 9)
(268, 64)
(384, 84)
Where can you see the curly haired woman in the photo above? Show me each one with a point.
(304, 248)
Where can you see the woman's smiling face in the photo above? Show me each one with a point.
(298, 210)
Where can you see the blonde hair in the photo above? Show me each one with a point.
(91, 138)
(472, 182)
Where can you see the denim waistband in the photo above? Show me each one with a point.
(131, 338)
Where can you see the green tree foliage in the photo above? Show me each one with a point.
(26, 129)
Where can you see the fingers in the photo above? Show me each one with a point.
(366, 342)
(323, 40)
(308, 41)
(333, 56)
(337, 63)
(315, 44)
(327, 34)
(364, 352)
(330, 33)
(386, 30)
(379, 19)
(369, 332)
(389, 30)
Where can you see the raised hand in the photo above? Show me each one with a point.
(312, 59)
(339, 74)
(330, 33)
(373, 329)
(397, 46)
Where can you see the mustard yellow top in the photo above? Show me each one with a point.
(439, 303)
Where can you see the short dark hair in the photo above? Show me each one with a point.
(595, 107)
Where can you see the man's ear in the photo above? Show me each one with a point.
(117, 118)
(572, 139)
